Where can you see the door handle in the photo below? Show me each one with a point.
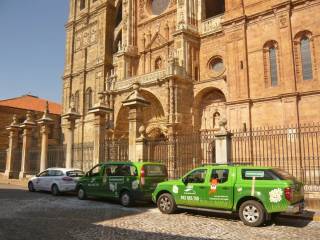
(225, 188)
(202, 187)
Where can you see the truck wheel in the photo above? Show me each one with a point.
(166, 203)
(82, 195)
(252, 213)
(55, 190)
(126, 199)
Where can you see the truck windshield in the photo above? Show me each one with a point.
(155, 170)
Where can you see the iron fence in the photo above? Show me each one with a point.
(56, 156)
(3, 160)
(116, 150)
(83, 155)
(294, 149)
(17, 157)
(181, 153)
(34, 160)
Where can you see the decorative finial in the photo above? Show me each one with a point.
(222, 124)
(14, 120)
(142, 131)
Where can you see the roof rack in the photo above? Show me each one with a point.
(228, 164)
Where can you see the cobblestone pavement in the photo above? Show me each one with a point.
(25, 215)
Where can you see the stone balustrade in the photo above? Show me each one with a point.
(211, 25)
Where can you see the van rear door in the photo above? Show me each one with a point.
(151, 175)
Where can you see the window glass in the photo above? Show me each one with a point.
(76, 173)
(82, 4)
(44, 174)
(273, 66)
(217, 65)
(259, 174)
(159, 6)
(155, 170)
(306, 59)
(95, 171)
(121, 170)
(220, 174)
(197, 176)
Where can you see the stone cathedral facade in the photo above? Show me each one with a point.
(255, 63)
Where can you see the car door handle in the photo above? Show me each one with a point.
(202, 187)
(224, 188)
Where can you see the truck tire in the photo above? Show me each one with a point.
(252, 213)
(126, 199)
(166, 203)
(82, 195)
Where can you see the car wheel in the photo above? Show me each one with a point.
(55, 190)
(252, 213)
(166, 204)
(82, 195)
(31, 187)
(126, 199)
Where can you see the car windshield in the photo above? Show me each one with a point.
(284, 175)
(155, 170)
(75, 173)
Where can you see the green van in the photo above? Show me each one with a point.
(126, 181)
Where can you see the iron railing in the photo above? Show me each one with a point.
(116, 150)
(3, 160)
(294, 149)
(34, 160)
(83, 155)
(56, 156)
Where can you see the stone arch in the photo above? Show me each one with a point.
(153, 117)
(208, 108)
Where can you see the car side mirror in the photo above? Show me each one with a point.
(37, 175)
(185, 180)
(88, 174)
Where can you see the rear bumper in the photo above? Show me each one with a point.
(296, 208)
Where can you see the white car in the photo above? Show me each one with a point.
(55, 180)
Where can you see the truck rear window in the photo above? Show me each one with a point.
(155, 170)
(259, 174)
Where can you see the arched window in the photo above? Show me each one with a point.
(306, 61)
(271, 63)
(88, 100)
(82, 4)
(214, 8)
(273, 66)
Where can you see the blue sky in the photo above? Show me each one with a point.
(32, 43)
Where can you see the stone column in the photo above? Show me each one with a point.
(135, 102)
(13, 145)
(172, 151)
(141, 151)
(223, 143)
(27, 127)
(44, 124)
(71, 116)
(100, 112)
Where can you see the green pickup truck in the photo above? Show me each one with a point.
(255, 192)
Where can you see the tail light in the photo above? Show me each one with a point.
(288, 193)
(67, 179)
(142, 176)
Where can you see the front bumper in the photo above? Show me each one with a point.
(296, 208)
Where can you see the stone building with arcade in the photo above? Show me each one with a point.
(182, 66)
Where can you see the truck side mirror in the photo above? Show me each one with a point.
(185, 180)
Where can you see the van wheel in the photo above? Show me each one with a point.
(252, 213)
(166, 203)
(31, 187)
(126, 199)
(82, 195)
(55, 190)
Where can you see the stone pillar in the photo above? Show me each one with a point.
(44, 124)
(13, 145)
(223, 143)
(27, 127)
(100, 112)
(141, 150)
(172, 151)
(71, 116)
(135, 102)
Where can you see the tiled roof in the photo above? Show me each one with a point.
(32, 103)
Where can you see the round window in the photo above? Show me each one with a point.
(217, 65)
(158, 6)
